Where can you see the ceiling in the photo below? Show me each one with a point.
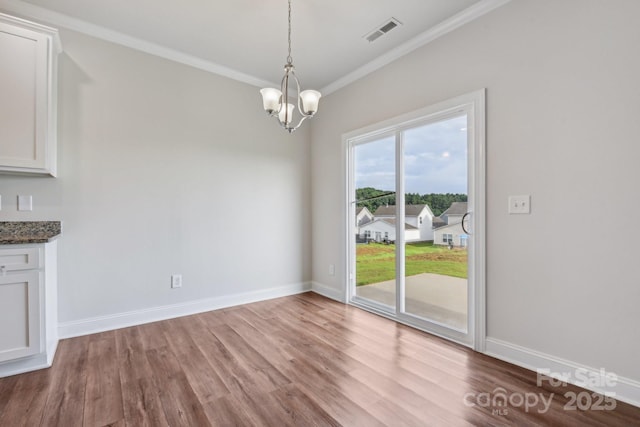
(247, 39)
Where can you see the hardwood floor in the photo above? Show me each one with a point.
(296, 361)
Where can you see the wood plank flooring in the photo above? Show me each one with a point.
(296, 361)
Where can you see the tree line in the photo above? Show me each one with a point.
(372, 198)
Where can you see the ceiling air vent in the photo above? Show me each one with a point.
(382, 29)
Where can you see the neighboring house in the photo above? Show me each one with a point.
(363, 216)
(452, 233)
(419, 216)
(448, 227)
(384, 229)
(455, 212)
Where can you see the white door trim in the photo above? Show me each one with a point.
(473, 104)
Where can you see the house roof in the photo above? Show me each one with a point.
(362, 208)
(409, 210)
(456, 208)
(391, 222)
(438, 222)
(457, 226)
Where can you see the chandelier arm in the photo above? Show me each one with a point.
(284, 85)
(292, 129)
(300, 122)
(285, 89)
(284, 101)
(300, 110)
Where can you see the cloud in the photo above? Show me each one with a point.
(435, 159)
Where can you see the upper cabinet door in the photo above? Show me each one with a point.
(27, 104)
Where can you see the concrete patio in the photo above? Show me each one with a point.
(432, 296)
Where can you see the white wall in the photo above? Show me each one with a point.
(166, 169)
(562, 126)
(426, 228)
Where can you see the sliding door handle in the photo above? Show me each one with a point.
(462, 223)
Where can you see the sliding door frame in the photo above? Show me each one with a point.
(473, 105)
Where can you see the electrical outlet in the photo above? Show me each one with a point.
(519, 204)
(332, 270)
(176, 281)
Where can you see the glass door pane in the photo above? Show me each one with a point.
(374, 183)
(435, 181)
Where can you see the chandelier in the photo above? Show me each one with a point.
(276, 102)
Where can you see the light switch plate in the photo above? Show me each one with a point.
(520, 204)
(25, 203)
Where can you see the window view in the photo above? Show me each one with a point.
(435, 255)
(375, 183)
(435, 158)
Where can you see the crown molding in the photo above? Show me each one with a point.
(52, 32)
(30, 11)
(456, 21)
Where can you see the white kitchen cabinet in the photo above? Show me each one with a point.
(20, 315)
(28, 307)
(28, 80)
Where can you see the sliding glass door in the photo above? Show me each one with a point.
(375, 182)
(416, 199)
(436, 199)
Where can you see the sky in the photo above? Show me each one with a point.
(435, 159)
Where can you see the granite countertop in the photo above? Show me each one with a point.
(21, 232)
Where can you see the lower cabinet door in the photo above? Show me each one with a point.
(19, 315)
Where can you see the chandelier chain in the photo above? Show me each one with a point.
(289, 59)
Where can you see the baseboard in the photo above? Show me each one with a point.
(52, 347)
(26, 364)
(138, 317)
(327, 291)
(625, 389)
(31, 363)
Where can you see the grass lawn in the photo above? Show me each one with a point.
(375, 262)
